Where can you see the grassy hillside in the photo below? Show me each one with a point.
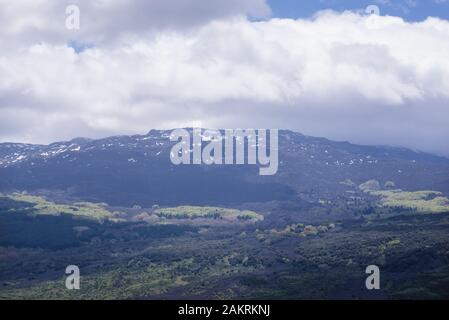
(192, 212)
(41, 206)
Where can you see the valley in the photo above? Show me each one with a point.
(144, 230)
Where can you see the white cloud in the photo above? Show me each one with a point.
(345, 76)
(106, 21)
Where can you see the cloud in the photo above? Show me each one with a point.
(105, 21)
(376, 80)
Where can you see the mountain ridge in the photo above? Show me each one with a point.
(136, 169)
(165, 133)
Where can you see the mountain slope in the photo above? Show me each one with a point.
(130, 170)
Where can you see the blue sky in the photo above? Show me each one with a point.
(410, 10)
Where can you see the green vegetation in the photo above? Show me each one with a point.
(389, 185)
(115, 284)
(348, 182)
(370, 185)
(421, 201)
(288, 255)
(136, 280)
(296, 230)
(41, 206)
(192, 212)
(426, 201)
